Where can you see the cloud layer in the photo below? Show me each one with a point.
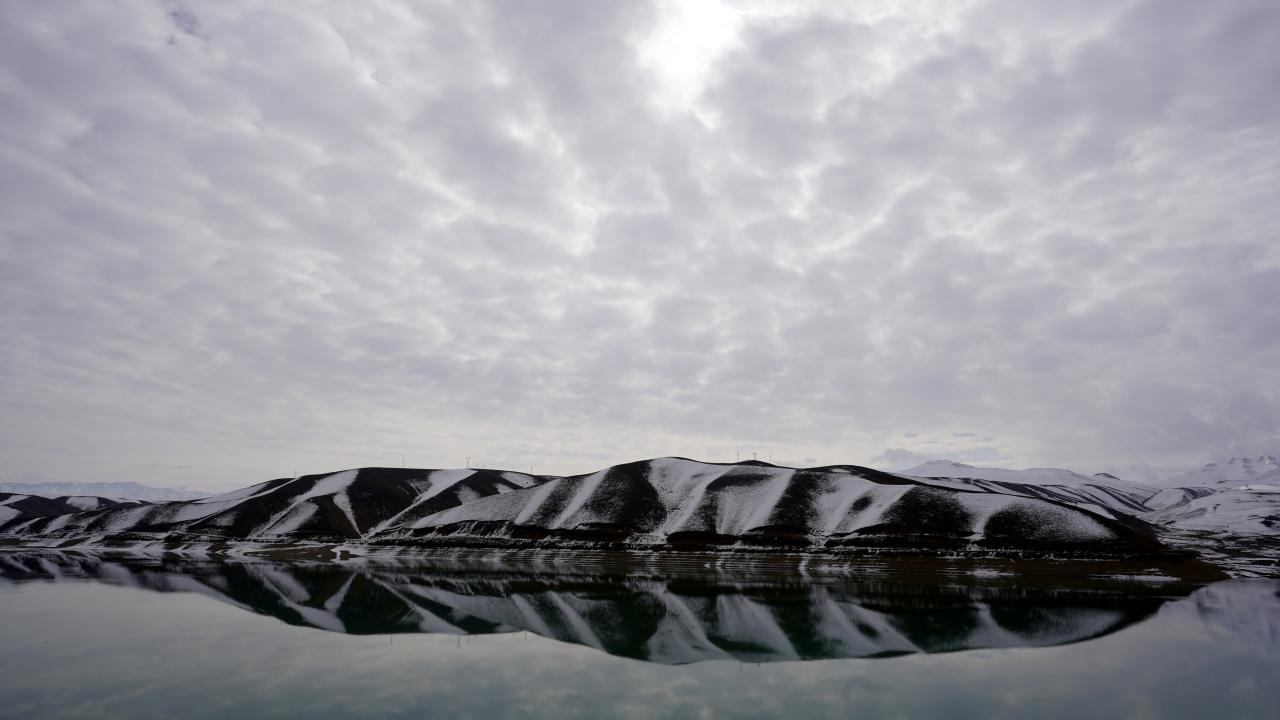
(239, 241)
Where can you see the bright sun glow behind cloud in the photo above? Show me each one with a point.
(691, 36)
(686, 42)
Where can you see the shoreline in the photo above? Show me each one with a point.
(781, 563)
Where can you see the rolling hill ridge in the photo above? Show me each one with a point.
(665, 503)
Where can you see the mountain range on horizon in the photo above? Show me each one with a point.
(1234, 471)
(117, 490)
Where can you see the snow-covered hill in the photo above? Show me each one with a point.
(17, 507)
(336, 506)
(670, 503)
(1227, 511)
(1235, 528)
(680, 504)
(1248, 509)
(1170, 497)
(676, 502)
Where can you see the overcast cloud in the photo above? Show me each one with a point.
(240, 240)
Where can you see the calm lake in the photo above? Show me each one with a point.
(81, 636)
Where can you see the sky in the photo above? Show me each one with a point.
(243, 240)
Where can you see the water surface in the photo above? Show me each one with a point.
(86, 637)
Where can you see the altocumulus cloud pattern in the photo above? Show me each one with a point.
(240, 241)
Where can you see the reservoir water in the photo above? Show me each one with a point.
(84, 637)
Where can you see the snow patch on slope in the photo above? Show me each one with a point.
(301, 509)
(1237, 511)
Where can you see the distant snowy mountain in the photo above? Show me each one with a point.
(119, 490)
(1031, 476)
(1055, 484)
(1233, 472)
(1038, 476)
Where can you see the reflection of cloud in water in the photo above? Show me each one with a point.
(860, 690)
(670, 620)
(1242, 612)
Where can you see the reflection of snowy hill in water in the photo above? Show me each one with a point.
(672, 620)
